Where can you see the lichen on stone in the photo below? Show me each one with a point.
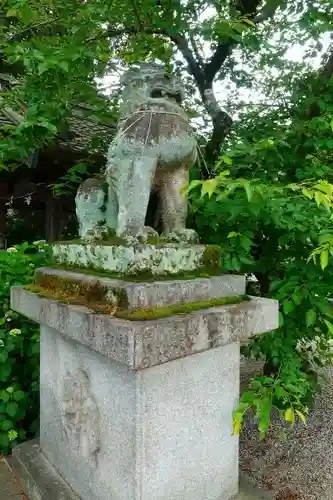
(159, 259)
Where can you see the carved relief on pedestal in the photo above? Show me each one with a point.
(80, 415)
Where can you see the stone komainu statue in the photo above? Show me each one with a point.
(153, 150)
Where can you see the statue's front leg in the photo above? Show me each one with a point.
(90, 203)
(134, 185)
(174, 207)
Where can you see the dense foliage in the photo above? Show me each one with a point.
(19, 349)
(271, 212)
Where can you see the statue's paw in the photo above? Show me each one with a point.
(143, 236)
(147, 233)
(187, 236)
(98, 233)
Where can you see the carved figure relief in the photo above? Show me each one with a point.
(80, 415)
(152, 152)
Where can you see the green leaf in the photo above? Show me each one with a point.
(288, 306)
(4, 396)
(248, 21)
(226, 159)
(297, 298)
(4, 441)
(236, 427)
(301, 416)
(248, 190)
(310, 317)
(320, 198)
(12, 409)
(64, 65)
(209, 187)
(324, 259)
(329, 326)
(6, 425)
(5, 371)
(3, 356)
(19, 395)
(289, 415)
(11, 13)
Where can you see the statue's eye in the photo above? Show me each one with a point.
(156, 93)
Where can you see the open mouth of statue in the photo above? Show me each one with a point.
(160, 93)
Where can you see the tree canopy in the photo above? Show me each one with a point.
(56, 49)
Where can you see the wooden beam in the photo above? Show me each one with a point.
(53, 219)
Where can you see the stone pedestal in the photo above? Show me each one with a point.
(142, 410)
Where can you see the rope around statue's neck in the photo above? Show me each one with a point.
(144, 113)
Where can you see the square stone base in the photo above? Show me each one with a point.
(164, 433)
(40, 481)
(36, 476)
(140, 410)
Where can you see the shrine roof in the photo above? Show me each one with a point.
(83, 127)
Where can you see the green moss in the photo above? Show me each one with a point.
(148, 314)
(92, 292)
(137, 278)
(157, 240)
(68, 298)
(185, 308)
(212, 259)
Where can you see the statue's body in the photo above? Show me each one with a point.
(152, 151)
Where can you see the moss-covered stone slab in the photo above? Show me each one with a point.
(142, 344)
(125, 294)
(154, 260)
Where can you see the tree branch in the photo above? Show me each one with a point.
(327, 70)
(247, 8)
(193, 65)
(196, 51)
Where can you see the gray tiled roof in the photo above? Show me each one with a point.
(85, 129)
(82, 129)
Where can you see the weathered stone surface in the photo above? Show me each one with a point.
(154, 259)
(89, 202)
(80, 415)
(37, 476)
(165, 432)
(157, 293)
(153, 150)
(142, 410)
(142, 344)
